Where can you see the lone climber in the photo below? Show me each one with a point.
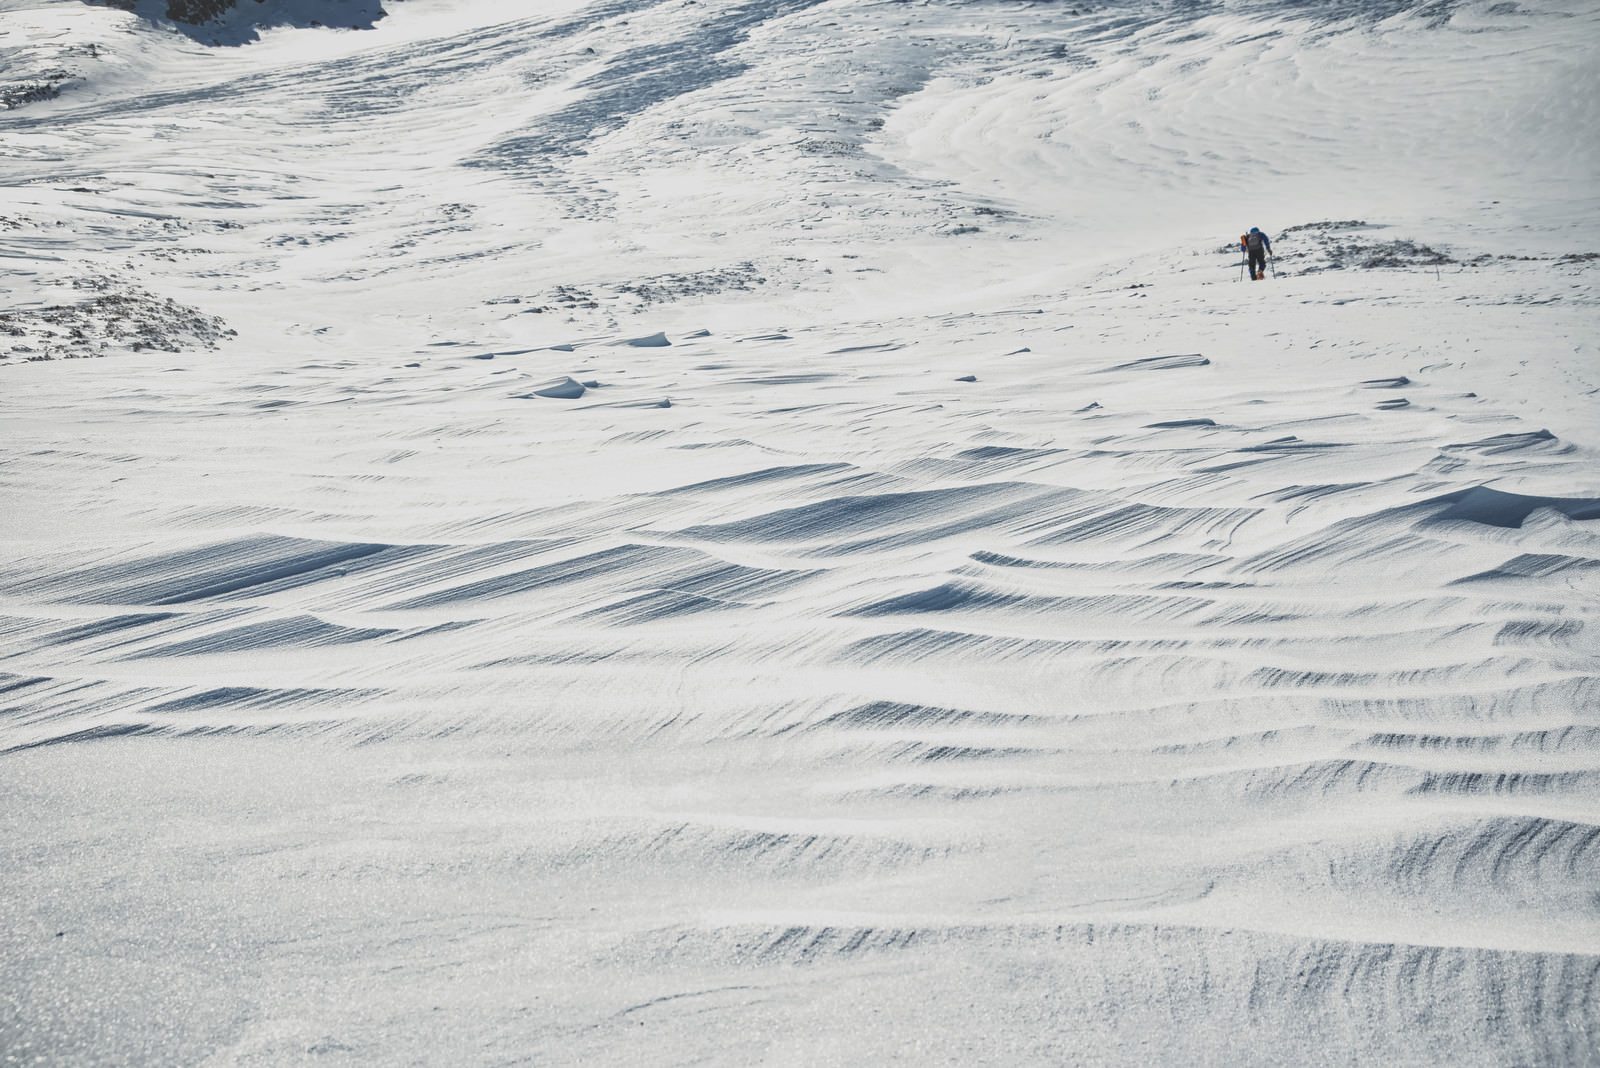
(1257, 246)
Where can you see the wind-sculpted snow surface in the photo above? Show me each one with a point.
(748, 533)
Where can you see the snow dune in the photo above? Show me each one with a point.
(771, 532)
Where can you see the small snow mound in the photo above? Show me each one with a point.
(657, 340)
(1497, 508)
(1163, 363)
(561, 389)
(1507, 442)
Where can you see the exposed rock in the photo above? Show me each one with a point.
(235, 21)
(41, 86)
(119, 318)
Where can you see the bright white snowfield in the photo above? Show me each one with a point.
(772, 531)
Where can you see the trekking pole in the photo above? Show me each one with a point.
(1241, 272)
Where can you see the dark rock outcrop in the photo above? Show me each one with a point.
(235, 21)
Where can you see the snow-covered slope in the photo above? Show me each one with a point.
(773, 531)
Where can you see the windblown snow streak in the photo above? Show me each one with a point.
(968, 638)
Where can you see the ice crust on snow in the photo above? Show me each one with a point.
(777, 533)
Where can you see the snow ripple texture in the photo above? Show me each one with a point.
(770, 532)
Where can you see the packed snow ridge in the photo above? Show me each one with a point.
(778, 531)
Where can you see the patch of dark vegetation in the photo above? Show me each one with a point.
(662, 289)
(1386, 254)
(821, 146)
(43, 86)
(116, 318)
(1332, 245)
(175, 253)
(568, 297)
(1568, 258)
(665, 288)
(1330, 224)
(561, 298)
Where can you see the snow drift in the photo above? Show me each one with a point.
(773, 532)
